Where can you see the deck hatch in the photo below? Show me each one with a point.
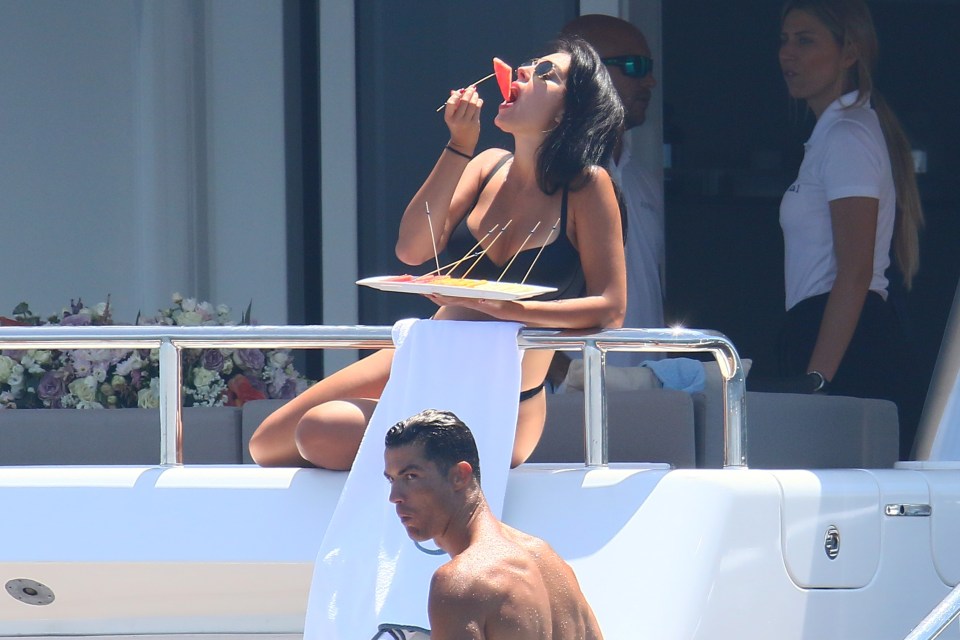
(30, 591)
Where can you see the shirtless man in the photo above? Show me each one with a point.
(500, 583)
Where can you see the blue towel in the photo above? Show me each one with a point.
(683, 374)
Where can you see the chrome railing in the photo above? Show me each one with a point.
(172, 340)
(939, 619)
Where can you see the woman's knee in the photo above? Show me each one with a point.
(329, 434)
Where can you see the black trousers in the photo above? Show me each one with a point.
(877, 363)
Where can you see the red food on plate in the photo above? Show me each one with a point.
(403, 278)
(504, 76)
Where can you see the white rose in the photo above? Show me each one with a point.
(41, 356)
(190, 319)
(83, 404)
(223, 310)
(130, 364)
(100, 309)
(149, 398)
(279, 359)
(6, 367)
(204, 377)
(189, 304)
(85, 389)
(15, 379)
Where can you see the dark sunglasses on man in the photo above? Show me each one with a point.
(632, 66)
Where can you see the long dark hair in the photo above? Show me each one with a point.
(591, 121)
(850, 23)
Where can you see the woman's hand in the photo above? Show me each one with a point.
(462, 116)
(462, 308)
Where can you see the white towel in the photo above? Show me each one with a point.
(368, 572)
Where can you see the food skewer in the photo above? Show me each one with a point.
(452, 264)
(482, 253)
(542, 247)
(433, 238)
(470, 253)
(472, 84)
(522, 245)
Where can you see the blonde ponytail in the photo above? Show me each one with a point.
(909, 219)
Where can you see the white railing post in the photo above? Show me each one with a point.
(171, 415)
(594, 406)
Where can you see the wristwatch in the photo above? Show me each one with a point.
(820, 380)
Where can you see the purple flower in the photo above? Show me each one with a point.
(250, 359)
(75, 320)
(212, 360)
(289, 389)
(51, 387)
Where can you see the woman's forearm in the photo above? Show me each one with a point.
(840, 318)
(414, 242)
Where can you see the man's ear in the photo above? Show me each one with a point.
(460, 474)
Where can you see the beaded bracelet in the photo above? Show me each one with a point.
(459, 153)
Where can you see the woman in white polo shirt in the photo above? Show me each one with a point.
(854, 197)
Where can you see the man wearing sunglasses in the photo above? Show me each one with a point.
(623, 49)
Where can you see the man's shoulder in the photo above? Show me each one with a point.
(471, 573)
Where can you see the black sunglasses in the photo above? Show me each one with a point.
(543, 69)
(632, 66)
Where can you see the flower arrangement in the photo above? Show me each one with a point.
(118, 378)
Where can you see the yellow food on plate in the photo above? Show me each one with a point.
(458, 282)
(509, 287)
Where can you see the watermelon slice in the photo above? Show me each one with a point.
(504, 76)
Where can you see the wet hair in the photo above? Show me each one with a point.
(850, 23)
(445, 438)
(591, 121)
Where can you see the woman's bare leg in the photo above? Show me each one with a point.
(532, 412)
(274, 443)
(329, 435)
(530, 419)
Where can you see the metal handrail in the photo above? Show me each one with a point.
(939, 618)
(594, 345)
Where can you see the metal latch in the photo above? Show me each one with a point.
(916, 510)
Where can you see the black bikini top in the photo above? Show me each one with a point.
(558, 265)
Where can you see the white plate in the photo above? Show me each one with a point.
(487, 291)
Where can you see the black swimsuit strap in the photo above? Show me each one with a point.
(486, 180)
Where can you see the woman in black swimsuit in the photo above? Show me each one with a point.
(564, 115)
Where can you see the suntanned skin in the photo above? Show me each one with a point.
(500, 583)
(324, 425)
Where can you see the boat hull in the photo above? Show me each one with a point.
(686, 554)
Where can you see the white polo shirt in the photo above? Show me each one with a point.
(846, 156)
(644, 249)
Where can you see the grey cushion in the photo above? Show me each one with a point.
(798, 431)
(643, 426)
(211, 435)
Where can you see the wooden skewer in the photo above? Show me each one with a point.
(482, 253)
(452, 264)
(433, 238)
(470, 253)
(484, 78)
(544, 246)
(522, 245)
